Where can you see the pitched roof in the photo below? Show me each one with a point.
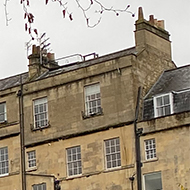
(171, 80)
(13, 81)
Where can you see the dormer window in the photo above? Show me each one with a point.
(163, 105)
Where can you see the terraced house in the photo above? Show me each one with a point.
(115, 122)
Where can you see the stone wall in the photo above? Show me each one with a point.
(172, 137)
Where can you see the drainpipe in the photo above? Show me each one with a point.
(21, 114)
(138, 132)
(132, 180)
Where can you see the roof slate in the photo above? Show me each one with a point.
(13, 81)
(171, 80)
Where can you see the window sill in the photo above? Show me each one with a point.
(7, 124)
(85, 116)
(3, 175)
(74, 176)
(150, 160)
(112, 169)
(3, 122)
(31, 169)
(39, 128)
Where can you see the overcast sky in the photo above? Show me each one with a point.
(70, 37)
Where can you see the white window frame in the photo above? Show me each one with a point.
(156, 106)
(150, 149)
(40, 122)
(41, 186)
(74, 161)
(4, 113)
(31, 159)
(112, 153)
(4, 161)
(153, 174)
(92, 99)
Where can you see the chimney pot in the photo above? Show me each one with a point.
(51, 56)
(140, 14)
(151, 19)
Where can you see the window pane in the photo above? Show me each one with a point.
(4, 168)
(74, 161)
(166, 99)
(163, 105)
(153, 181)
(2, 108)
(159, 101)
(2, 117)
(32, 159)
(108, 158)
(167, 110)
(112, 150)
(92, 99)
(2, 112)
(39, 186)
(160, 111)
(40, 112)
(108, 150)
(108, 164)
(150, 149)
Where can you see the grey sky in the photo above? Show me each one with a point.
(112, 34)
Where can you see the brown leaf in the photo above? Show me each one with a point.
(36, 32)
(25, 15)
(30, 18)
(26, 26)
(70, 16)
(64, 12)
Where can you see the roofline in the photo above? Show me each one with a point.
(161, 77)
(154, 85)
(13, 76)
(103, 56)
(180, 67)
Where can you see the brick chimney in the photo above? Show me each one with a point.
(40, 62)
(151, 33)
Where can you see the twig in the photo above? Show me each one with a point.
(7, 19)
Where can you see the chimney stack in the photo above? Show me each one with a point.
(40, 62)
(151, 33)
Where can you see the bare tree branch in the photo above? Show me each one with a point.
(29, 17)
(7, 19)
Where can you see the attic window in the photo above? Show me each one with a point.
(163, 105)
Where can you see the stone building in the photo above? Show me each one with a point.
(75, 125)
(166, 131)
